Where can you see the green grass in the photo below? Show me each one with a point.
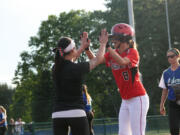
(157, 133)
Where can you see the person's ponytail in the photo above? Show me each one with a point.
(132, 44)
(87, 94)
(59, 56)
(58, 64)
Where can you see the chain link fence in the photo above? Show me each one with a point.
(156, 125)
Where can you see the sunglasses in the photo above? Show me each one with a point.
(171, 56)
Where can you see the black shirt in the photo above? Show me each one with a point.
(68, 86)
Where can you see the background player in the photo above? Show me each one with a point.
(88, 108)
(3, 121)
(170, 83)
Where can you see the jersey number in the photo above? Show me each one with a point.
(125, 75)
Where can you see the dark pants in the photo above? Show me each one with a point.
(90, 116)
(174, 118)
(79, 126)
(2, 130)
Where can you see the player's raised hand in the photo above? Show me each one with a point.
(103, 38)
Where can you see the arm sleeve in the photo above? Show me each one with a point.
(161, 83)
(133, 56)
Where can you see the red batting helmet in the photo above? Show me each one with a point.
(123, 30)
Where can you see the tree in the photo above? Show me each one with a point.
(42, 97)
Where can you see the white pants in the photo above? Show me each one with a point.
(132, 115)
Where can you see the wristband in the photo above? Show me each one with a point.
(87, 48)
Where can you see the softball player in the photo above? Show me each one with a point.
(68, 108)
(3, 121)
(124, 62)
(170, 83)
(88, 108)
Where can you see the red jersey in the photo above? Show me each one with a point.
(127, 77)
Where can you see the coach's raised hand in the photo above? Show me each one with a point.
(85, 42)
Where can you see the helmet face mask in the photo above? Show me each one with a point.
(121, 38)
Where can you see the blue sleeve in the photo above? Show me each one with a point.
(84, 98)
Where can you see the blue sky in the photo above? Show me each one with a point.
(20, 19)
